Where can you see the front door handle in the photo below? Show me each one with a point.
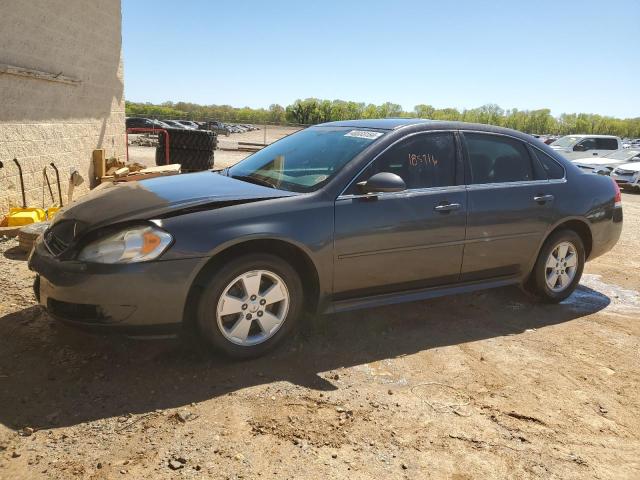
(447, 207)
(543, 198)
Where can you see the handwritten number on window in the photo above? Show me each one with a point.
(422, 159)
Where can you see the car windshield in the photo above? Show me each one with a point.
(566, 141)
(306, 160)
(624, 154)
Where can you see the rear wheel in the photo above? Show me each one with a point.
(558, 268)
(249, 305)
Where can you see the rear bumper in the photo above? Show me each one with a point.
(145, 297)
(606, 233)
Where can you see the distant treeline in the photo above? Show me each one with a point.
(313, 110)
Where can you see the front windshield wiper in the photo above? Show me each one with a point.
(250, 179)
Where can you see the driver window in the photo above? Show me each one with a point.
(586, 144)
(422, 161)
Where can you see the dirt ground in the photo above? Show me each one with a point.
(484, 385)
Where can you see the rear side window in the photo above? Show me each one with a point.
(422, 161)
(497, 159)
(552, 168)
(606, 143)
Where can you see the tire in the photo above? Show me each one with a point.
(243, 335)
(192, 139)
(193, 149)
(543, 274)
(190, 160)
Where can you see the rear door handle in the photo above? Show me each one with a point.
(543, 198)
(447, 207)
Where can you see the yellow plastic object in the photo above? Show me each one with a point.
(25, 216)
(51, 212)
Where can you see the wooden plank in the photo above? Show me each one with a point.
(10, 231)
(121, 172)
(173, 167)
(38, 74)
(132, 177)
(247, 149)
(99, 163)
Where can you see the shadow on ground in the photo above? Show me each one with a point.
(16, 253)
(51, 375)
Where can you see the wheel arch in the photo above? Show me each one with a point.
(581, 228)
(576, 224)
(288, 251)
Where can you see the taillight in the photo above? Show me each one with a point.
(618, 197)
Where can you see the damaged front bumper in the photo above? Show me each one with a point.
(145, 298)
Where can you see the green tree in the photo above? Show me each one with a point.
(313, 110)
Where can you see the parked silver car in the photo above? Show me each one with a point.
(627, 175)
(605, 164)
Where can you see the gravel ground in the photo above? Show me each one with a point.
(483, 385)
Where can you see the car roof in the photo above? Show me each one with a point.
(397, 123)
(379, 123)
(590, 135)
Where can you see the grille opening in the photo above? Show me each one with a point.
(76, 311)
(60, 235)
(55, 245)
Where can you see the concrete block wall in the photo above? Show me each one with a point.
(46, 121)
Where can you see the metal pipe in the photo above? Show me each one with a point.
(46, 177)
(152, 130)
(24, 197)
(58, 180)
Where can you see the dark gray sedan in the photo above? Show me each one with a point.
(336, 217)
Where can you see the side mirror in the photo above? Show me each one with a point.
(383, 182)
(580, 148)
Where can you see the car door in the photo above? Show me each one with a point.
(394, 241)
(510, 207)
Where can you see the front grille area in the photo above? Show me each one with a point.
(76, 311)
(60, 235)
(55, 245)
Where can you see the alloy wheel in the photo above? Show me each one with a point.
(561, 266)
(252, 307)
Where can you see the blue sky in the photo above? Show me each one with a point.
(569, 56)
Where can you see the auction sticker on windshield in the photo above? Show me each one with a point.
(363, 134)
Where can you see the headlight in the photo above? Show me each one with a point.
(135, 244)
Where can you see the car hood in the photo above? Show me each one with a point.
(596, 162)
(632, 167)
(157, 197)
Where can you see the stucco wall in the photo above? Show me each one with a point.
(43, 121)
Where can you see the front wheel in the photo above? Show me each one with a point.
(558, 268)
(249, 305)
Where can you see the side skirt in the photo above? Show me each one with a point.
(416, 295)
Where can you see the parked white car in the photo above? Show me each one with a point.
(627, 175)
(575, 146)
(606, 163)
